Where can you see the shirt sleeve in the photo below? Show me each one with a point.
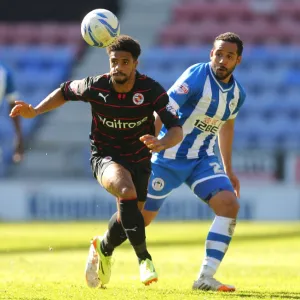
(242, 97)
(164, 109)
(77, 90)
(186, 85)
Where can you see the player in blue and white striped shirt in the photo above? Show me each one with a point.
(8, 92)
(208, 99)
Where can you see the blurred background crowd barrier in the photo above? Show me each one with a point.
(42, 45)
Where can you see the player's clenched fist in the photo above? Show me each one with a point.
(152, 142)
(23, 109)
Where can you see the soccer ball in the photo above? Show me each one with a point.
(100, 27)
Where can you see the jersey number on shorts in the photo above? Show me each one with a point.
(217, 167)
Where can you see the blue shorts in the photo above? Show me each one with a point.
(205, 177)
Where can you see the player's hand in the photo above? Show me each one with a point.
(235, 183)
(23, 109)
(152, 142)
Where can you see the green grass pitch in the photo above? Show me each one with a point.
(43, 261)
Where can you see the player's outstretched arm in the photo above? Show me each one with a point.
(171, 138)
(25, 110)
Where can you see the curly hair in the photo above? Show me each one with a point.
(127, 44)
(232, 37)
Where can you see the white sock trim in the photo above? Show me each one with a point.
(216, 245)
(223, 225)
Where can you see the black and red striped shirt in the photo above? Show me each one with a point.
(119, 119)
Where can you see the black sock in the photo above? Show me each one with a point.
(134, 227)
(115, 236)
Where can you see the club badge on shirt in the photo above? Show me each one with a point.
(138, 99)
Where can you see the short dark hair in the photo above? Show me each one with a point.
(127, 44)
(232, 38)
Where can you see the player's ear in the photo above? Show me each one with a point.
(211, 53)
(136, 62)
(239, 60)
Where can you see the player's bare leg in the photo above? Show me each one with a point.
(149, 216)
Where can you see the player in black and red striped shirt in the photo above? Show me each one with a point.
(122, 139)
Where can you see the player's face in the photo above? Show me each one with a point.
(224, 59)
(122, 66)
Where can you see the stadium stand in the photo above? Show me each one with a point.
(41, 57)
(270, 71)
(60, 147)
(257, 22)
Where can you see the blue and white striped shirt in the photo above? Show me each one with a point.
(204, 104)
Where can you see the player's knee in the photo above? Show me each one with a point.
(231, 207)
(230, 202)
(225, 203)
(127, 192)
(122, 188)
(234, 205)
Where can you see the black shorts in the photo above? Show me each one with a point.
(140, 172)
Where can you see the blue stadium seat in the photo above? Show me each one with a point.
(38, 70)
(270, 75)
(37, 78)
(6, 128)
(44, 57)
